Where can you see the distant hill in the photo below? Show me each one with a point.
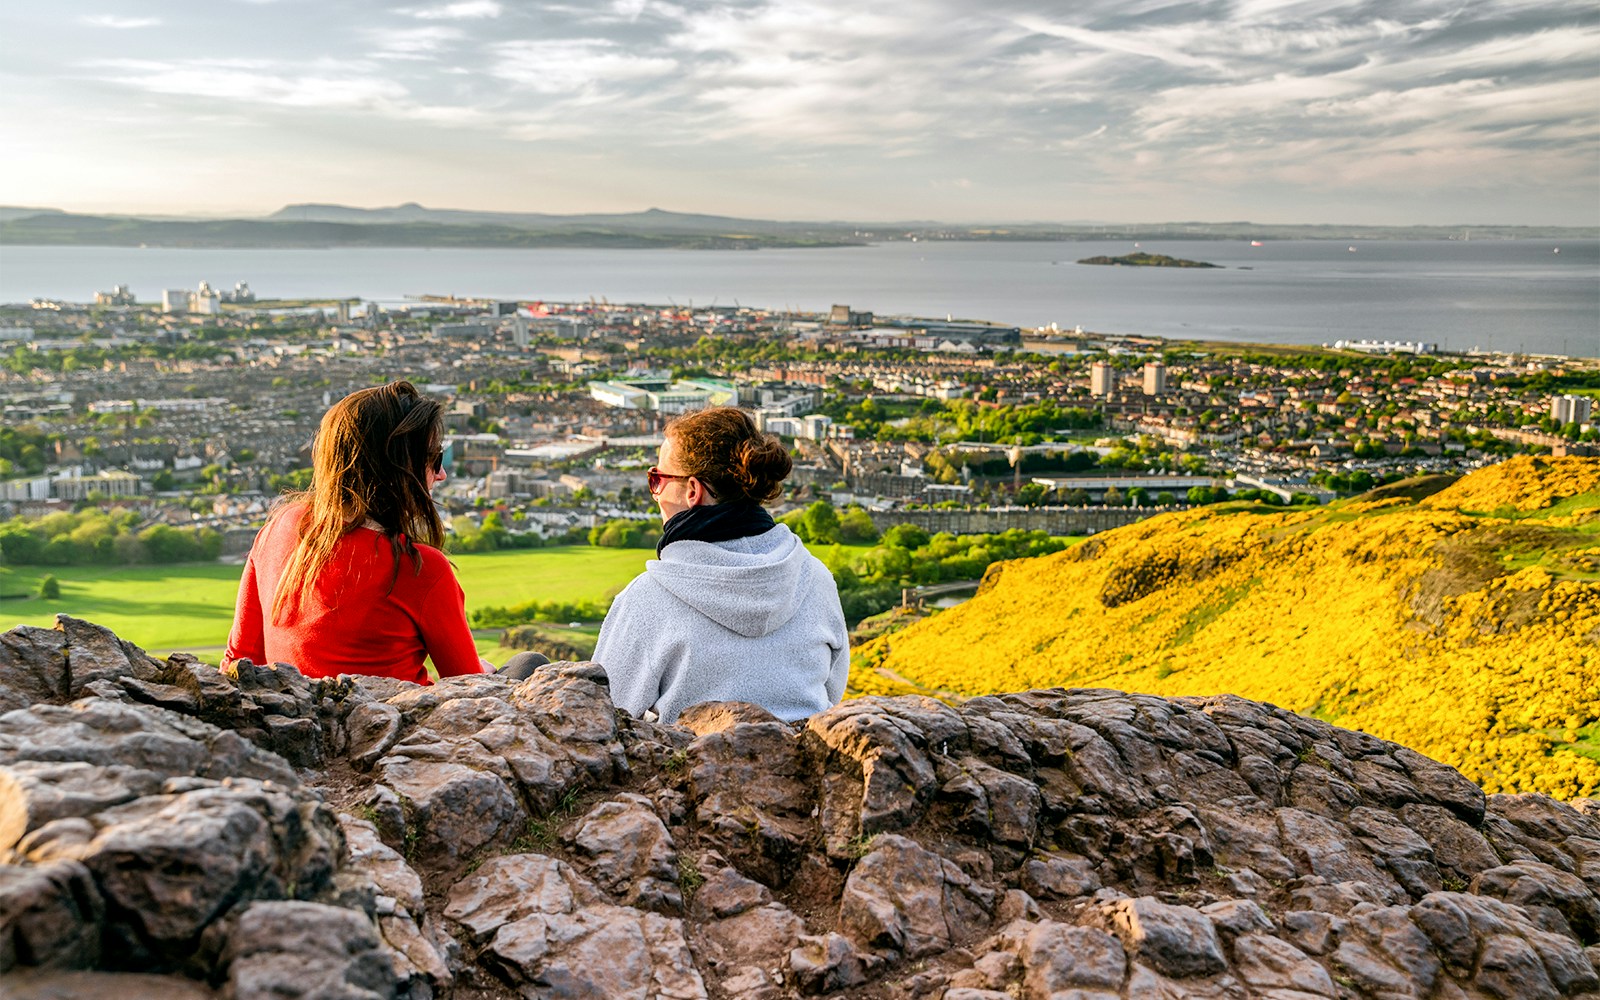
(9, 212)
(1464, 623)
(414, 225)
(653, 220)
(91, 230)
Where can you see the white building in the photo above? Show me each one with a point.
(1155, 378)
(1102, 379)
(665, 396)
(785, 426)
(111, 483)
(1571, 409)
(817, 426)
(205, 300)
(32, 488)
(1385, 346)
(120, 295)
(175, 300)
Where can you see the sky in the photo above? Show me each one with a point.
(1275, 111)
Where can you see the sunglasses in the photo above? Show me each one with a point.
(441, 456)
(657, 480)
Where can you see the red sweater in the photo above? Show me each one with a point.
(350, 621)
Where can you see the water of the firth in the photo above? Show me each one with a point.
(1500, 295)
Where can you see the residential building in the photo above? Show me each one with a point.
(1102, 380)
(119, 295)
(1571, 409)
(111, 483)
(1155, 378)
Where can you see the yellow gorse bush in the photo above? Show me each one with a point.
(1472, 638)
(1526, 483)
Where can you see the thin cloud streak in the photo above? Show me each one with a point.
(119, 23)
(467, 10)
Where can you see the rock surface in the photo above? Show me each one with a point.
(169, 831)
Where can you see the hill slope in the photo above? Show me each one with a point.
(1471, 637)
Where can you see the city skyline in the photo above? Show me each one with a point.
(1276, 112)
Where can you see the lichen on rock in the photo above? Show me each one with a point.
(169, 831)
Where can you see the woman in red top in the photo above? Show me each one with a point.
(347, 577)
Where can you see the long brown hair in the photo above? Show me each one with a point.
(721, 447)
(372, 459)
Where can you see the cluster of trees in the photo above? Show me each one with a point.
(1570, 430)
(962, 420)
(103, 538)
(622, 533)
(492, 535)
(22, 450)
(1358, 481)
(539, 611)
(820, 524)
(907, 556)
(945, 465)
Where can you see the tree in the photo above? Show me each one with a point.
(905, 536)
(821, 523)
(1032, 494)
(1113, 497)
(494, 530)
(856, 527)
(20, 544)
(50, 587)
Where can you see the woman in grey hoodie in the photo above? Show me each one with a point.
(735, 608)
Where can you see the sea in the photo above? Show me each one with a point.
(1533, 296)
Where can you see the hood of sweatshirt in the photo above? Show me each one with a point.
(751, 585)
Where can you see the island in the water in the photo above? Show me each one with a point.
(1142, 259)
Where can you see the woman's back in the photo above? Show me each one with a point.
(752, 619)
(350, 621)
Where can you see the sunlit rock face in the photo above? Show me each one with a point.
(170, 832)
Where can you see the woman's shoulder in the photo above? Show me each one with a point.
(282, 522)
(434, 560)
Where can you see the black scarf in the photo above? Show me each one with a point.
(717, 522)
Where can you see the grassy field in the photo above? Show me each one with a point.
(190, 606)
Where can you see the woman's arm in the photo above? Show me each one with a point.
(839, 667)
(628, 651)
(445, 633)
(247, 639)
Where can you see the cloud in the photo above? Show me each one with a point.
(254, 82)
(115, 21)
(412, 43)
(464, 10)
(1230, 92)
(575, 65)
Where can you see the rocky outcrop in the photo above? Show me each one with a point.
(169, 831)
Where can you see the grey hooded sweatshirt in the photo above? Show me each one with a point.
(754, 619)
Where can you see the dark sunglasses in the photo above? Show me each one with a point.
(657, 480)
(442, 456)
